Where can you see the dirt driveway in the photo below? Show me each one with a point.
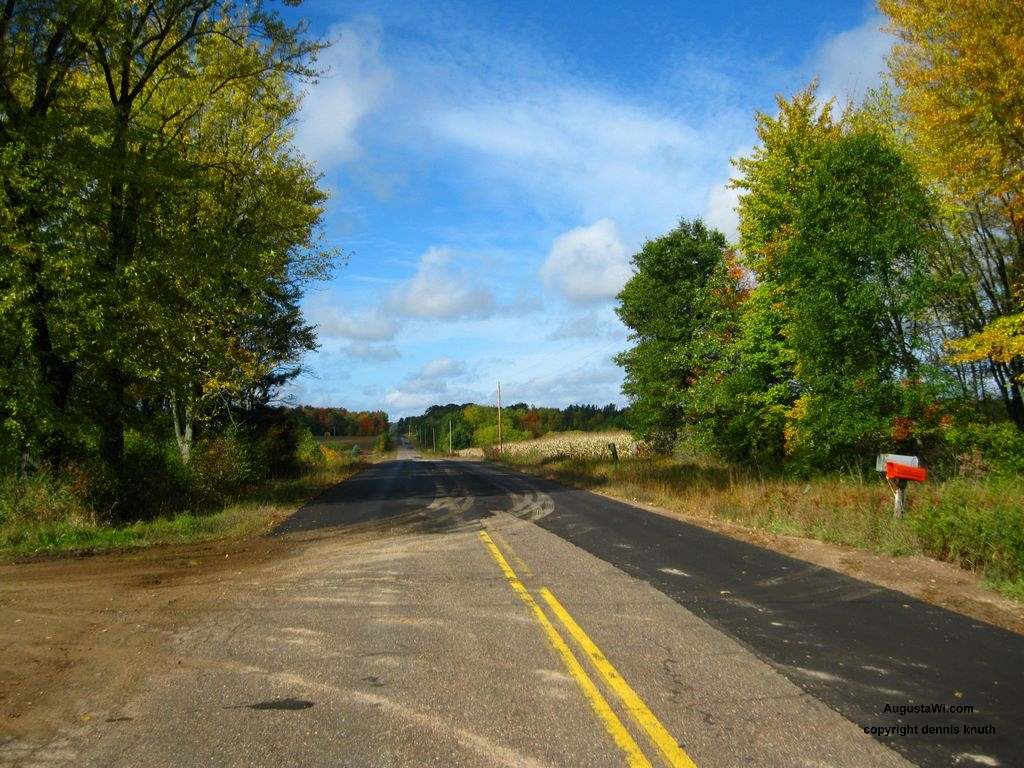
(77, 631)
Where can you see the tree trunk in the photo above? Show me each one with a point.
(123, 220)
(182, 418)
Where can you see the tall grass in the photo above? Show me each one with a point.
(46, 513)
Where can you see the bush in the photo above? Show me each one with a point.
(152, 480)
(287, 446)
(976, 450)
(384, 443)
(222, 465)
(46, 497)
(308, 452)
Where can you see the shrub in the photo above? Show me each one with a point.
(985, 449)
(222, 465)
(308, 451)
(46, 497)
(152, 480)
(384, 443)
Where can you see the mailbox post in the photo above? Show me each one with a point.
(899, 471)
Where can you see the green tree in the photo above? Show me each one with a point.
(834, 222)
(742, 404)
(159, 223)
(679, 306)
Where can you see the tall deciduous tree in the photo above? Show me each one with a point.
(679, 306)
(834, 223)
(961, 71)
(160, 225)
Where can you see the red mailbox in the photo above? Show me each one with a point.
(895, 471)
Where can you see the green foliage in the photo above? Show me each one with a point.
(742, 403)
(157, 229)
(979, 450)
(811, 357)
(680, 307)
(834, 222)
(384, 443)
(979, 531)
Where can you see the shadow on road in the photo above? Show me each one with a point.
(400, 496)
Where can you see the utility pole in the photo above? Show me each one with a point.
(499, 417)
(433, 438)
(450, 437)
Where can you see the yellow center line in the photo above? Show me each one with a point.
(523, 567)
(658, 734)
(634, 757)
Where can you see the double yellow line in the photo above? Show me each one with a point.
(660, 738)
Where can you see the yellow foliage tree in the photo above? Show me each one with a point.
(1002, 340)
(961, 67)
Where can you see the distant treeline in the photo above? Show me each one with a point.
(477, 425)
(342, 422)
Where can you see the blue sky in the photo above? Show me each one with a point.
(493, 166)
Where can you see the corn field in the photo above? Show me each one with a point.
(564, 445)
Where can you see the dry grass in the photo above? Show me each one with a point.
(978, 525)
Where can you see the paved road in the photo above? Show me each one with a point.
(458, 614)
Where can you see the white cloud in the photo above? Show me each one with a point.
(408, 402)
(590, 153)
(441, 367)
(439, 292)
(720, 211)
(360, 350)
(333, 322)
(435, 376)
(352, 87)
(589, 325)
(851, 62)
(587, 264)
(597, 382)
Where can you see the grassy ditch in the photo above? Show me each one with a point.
(976, 524)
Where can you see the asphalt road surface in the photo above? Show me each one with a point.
(455, 613)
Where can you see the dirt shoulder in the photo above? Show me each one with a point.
(933, 581)
(81, 630)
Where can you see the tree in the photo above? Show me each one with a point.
(1002, 341)
(961, 71)
(961, 68)
(678, 306)
(45, 131)
(146, 55)
(159, 223)
(238, 246)
(834, 222)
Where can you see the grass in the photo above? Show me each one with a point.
(253, 511)
(978, 525)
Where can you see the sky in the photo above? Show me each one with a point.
(493, 166)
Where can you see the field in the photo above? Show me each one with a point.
(977, 525)
(564, 445)
(345, 443)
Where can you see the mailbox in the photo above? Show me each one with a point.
(898, 470)
(895, 471)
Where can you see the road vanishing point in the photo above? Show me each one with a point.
(457, 613)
